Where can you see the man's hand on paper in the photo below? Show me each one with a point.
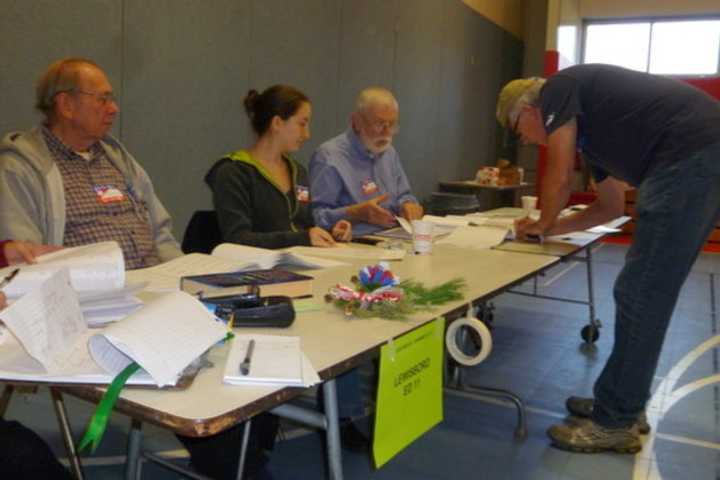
(411, 211)
(342, 231)
(527, 228)
(370, 211)
(320, 238)
(25, 252)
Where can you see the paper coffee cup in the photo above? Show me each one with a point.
(422, 237)
(529, 202)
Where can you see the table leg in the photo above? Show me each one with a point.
(61, 415)
(132, 465)
(5, 399)
(591, 290)
(332, 430)
(457, 383)
(243, 449)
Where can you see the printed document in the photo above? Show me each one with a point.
(50, 341)
(99, 266)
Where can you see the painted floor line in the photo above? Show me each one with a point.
(566, 270)
(560, 274)
(688, 441)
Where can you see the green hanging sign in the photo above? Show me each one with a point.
(409, 398)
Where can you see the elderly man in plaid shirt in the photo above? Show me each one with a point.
(68, 182)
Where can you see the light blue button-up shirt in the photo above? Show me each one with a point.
(344, 172)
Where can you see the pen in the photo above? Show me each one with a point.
(245, 365)
(9, 278)
(534, 238)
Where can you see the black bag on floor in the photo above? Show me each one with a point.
(217, 456)
(23, 454)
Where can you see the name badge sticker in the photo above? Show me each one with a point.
(369, 187)
(302, 193)
(108, 194)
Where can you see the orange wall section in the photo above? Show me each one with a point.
(507, 14)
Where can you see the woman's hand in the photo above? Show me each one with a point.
(25, 252)
(320, 238)
(342, 231)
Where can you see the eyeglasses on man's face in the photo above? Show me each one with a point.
(382, 126)
(102, 98)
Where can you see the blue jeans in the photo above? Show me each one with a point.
(350, 398)
(678, 206)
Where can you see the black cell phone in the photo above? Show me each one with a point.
(367, 240)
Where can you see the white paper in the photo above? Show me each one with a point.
(602, 229)
(262, 258)
(164, 337)
(352, 253)
(447, 221)
(613, 226)
(111, 310)
(99, 266)
(49, 324)
(166, 276)
(259, 258)
(16, 364)
(476, 237)
(407, 226)
(275, 360)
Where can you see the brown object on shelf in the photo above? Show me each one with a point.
(509, 174)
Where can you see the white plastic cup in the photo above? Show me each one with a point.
(529, 202)
(422, 237)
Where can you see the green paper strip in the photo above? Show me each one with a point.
(96, 428)
(306, 305)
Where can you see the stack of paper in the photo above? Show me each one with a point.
(227, 257)
(100, 308)
(351, 253)
(51, 342)
(478, 237)
(97, 273)
(262, 258)
(95, 267)
(275, 360)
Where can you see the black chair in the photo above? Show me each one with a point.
(202, 233)
(443, 203)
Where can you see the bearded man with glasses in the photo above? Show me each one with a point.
(357, 176)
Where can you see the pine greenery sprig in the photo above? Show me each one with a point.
(419, 295)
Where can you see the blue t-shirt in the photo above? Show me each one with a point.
(629, 122)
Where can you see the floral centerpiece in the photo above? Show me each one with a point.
(377, 292)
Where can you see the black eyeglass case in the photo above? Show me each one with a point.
(248, 310)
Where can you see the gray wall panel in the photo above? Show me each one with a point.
(457, 87)
(36, 33)
(368, 43)
(478, 58)
(186, 72)
(417, 87)
(296, 43)
(182, 67)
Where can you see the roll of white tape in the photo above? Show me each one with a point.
(455, 351)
